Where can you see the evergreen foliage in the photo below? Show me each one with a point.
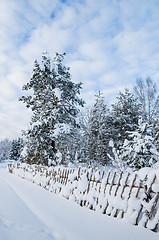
(54, 105)
(140, 151)
(67, 127)
(16, 148)
(156, 129)
(125, 114)
(98, 132)
(58, 134)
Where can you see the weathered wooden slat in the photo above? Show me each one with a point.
(120, 177)
(125, 184)
(138, 190)
(89, 183)
(132, 185)
(112, 183)
(148, 197)
(107, 181)
(156, 198)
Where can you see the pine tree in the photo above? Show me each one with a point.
(140, 151)
(81, 137)
(67, 92)
(43, 104)
(156, 129)
(97, 133)
(54, 105)
(12, 154)
(16, 148)
(67, 127)
(125, 114)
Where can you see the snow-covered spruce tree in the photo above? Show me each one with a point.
(98, 132)
(13, 152)
(16, 148)
(156, 129)
(82, 153)
(140, 150)
(125, 114)
(54, 105)
(67, 127)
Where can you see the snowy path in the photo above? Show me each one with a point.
(17, 221)
(30, 212)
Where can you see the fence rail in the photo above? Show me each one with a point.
(133, 196)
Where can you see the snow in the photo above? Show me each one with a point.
(28, 211)
(97, 196)
(61, 128)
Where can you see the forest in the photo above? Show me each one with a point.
(63, 131)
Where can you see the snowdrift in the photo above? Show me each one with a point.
(132, 196)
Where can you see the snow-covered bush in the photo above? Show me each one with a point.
(140, 151)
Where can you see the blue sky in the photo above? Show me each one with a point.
(109, 43)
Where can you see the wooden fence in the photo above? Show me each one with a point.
(133, 196)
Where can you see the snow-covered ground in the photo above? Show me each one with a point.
(29, 212)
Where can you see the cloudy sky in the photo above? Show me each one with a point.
(109, 43)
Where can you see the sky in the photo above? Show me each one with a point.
(108, 45)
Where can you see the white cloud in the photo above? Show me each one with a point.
(108, 45)
(13, 119)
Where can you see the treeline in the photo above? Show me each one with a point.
(11, 150)
(125, 134)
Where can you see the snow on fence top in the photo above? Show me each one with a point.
(132, 196)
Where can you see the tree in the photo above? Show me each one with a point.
(156, 129)
(125, 114)
(148, 97)
(67, 127)
(68, 142)
(140, 151)
(97, 133)
(16, 148)
(84, 121)
(54, 105)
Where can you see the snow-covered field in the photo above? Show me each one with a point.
(29, 212)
